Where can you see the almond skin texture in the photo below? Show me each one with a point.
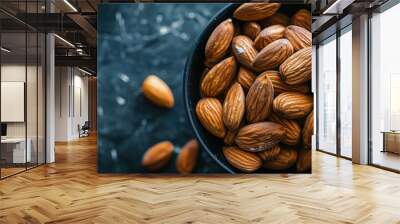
(286, 158)
(242, 48)
(292, 105)
(251, 29)
(268, 35)
(245, 161)
(229, 138)
(255, 11)
(302, 18)
(297, 68)
(157, 156)
(218, 43)
(218, 79)
(187, 157)
(245, 78)
(234, 107)
(209, 111)
(158, 92)
(298, 36)
(276, 19)
(273, 55)
(259, 100)
(304, 160)
(280, 86)
(270, 154)
(308, 131)
(292, 129)
(259, 136)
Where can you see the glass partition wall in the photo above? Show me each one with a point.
(22, 107)
(334, 94)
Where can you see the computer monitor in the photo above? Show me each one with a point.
(3, 129)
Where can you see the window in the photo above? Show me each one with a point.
(385, 89)
(346, 75)
(327, 95)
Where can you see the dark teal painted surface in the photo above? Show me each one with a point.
(135, 40)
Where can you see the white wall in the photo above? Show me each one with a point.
(71, 102)
(33, 127)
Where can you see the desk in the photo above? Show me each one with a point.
(17, 148)
(391, 141)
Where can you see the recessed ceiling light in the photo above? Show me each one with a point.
(84, 71)
(338, 6)
(64, 40)
(70, 5)
(5, 50)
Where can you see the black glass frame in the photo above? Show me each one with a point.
(334, 37)
(38, 47)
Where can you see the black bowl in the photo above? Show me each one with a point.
(191, 91)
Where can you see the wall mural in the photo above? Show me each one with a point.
(204, 88)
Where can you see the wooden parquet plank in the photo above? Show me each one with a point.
(71, 191)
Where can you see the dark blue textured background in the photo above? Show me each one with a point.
(135, 40)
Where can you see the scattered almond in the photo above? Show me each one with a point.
(158, 92)
(157, 156)
(187, 158)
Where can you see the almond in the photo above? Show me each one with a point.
(259, 136)
(187, 157)
(298, 36)
(292, 129)
(297, 68)
(276, 19)
(268, 35)
(242, 48)
(229, 138)
(292, 105)
(245, 78)
(157, 91)
(209, 112)
(273, 55)
(308, 131)
(304, 160)
(218, 43)
(270, 154)
(234, 107)
(157, 156)
(219, 78)
(280, 86)
(255, 11)
(251, 29)
(259, 100)
(302, 18)
(242, 160)
(284, 160)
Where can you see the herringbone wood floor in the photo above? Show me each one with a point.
(70, 191)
